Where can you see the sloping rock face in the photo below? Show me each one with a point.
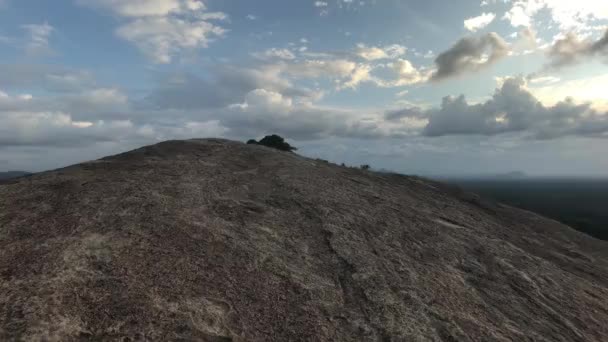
(213, 240)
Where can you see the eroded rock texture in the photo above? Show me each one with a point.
(214, 240)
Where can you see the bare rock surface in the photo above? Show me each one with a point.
(213, 240)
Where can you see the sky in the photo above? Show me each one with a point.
(470, 87)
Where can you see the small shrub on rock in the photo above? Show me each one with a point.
(274, 141)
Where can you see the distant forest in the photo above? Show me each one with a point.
(581, 204)
(12, 174)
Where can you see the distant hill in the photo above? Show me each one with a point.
(579, 203)
(214, 240)
(12, 174)
(511, 175)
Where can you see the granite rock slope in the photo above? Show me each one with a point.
(214, 240)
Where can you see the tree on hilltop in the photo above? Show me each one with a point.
(273, 141)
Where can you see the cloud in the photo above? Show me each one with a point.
(522, 11)
(513, 108)
(380, 66)
(90, 118)
(25, 121)
(264, 112)
(407, 74)
(275, 53)
(86, 105)
(398, 73)
(145, 8)
(47, 77)
(408, 112)
(479, 22)
(320, 4)
(316, 68)
(373, 53)
(544, 79)
(578, 15)
(571, 50)
(470, 54)
(345, 73)
(225, 85)
(38, 40)
(162, 29)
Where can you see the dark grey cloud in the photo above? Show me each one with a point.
(601, 45)
(470, 54)
(571, 50)
(514, 109)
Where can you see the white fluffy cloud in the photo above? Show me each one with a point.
(372, 53)
(479, 22)
(162, 29)
(569, 15)
(400, 72)
(512, 108)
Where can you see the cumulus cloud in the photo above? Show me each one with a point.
(513, 108)
(344, 72)
(372, 53)
(25, 121)
(522, 11)
(572, 50)
(470, 54)
(162, 29)
(569, 15)
(265, 112)
(226, 85)
(90, 118)
(398, 73)
(476, 23)
(407, 74)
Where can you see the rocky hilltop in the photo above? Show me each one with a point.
(214, 240)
